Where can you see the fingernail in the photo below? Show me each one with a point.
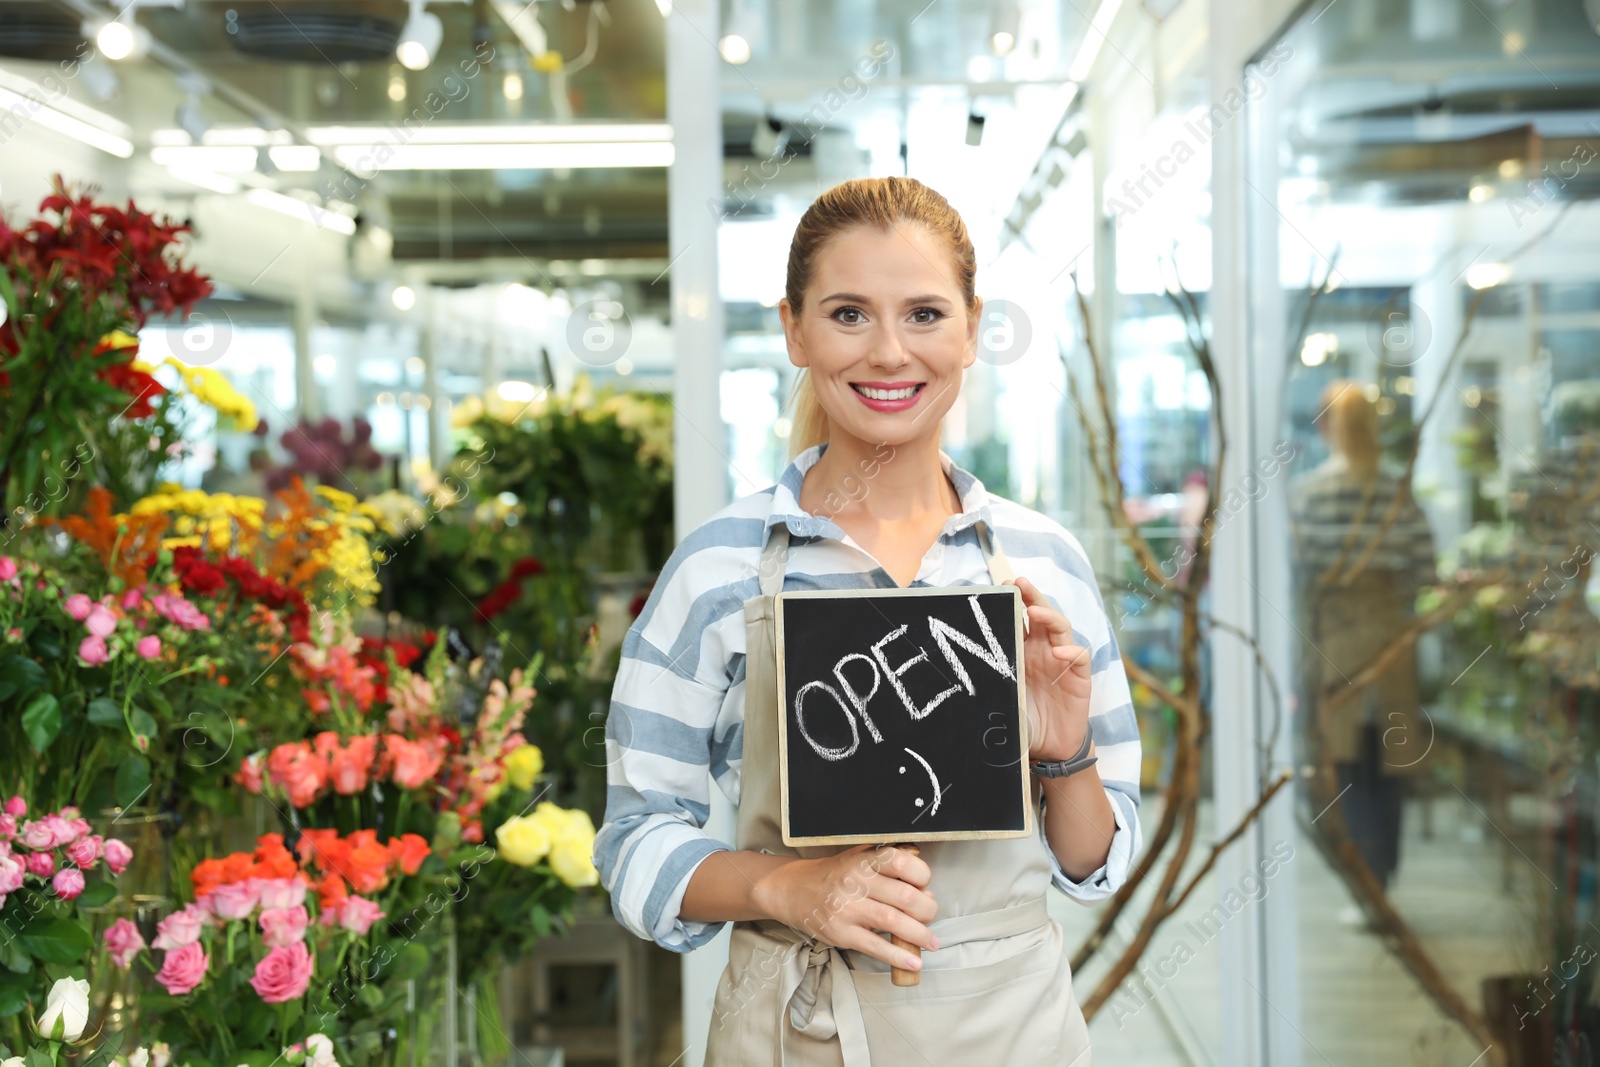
(934, 941)
(911, 963)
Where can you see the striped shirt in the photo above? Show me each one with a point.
(1338, 515)
(677, 708)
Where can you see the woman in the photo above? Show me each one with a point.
(1360, 572)
(880, 312)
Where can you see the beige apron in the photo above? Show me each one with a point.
(997, 991)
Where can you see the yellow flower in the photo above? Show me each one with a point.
(523, 840)
(212, 388)
(523, 766)
(574, 863)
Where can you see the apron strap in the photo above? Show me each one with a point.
(774, 559)
(999, 566)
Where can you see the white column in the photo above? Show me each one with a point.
(700, 485)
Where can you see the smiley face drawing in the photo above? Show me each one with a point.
(938, 793)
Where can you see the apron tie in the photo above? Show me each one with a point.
(818, 994)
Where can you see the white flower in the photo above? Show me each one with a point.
(321, 1051)
(160, 1054)
(66, 1013)
(15, 1061)
(139, 1058)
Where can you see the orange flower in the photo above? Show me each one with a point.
(237, 867)
(206, 876)
(323, 848)
(331, 892)
(408, 851)
(368, 869)
(124, 543)
(273, 860)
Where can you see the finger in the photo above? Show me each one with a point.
(917, 903)
(876, 915)
(1056, 625)
(868, 943)
(898, 863)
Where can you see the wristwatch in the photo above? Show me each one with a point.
(1067, 767)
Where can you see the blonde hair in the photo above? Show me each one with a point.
(880, 203)
(1352, 425)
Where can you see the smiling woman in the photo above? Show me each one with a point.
(881, 314)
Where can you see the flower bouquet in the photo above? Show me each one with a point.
(278, 942)
(68, 284)
(51, 868)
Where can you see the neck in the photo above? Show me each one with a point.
(883, 482)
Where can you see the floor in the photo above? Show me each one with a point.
(1359, 1007)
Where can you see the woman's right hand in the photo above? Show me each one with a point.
(845, 899)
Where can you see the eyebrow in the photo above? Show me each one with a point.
(857, 298)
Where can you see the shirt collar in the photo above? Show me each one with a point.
(801, 523)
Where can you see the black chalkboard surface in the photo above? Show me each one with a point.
(903, 715)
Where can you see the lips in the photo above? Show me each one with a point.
(889, 396)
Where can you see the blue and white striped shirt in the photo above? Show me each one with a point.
(677, 709)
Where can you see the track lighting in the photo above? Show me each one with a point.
(419, 41)
(122, 38)
(1005, 25)
(974, 129)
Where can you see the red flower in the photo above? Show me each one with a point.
(526, 568)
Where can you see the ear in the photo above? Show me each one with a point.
(791, 334)
(974, 321)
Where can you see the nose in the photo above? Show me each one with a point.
(889, 351)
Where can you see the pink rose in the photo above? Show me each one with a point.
(281, 892)
(63, 830)
(235, 901)
(85, 851)
(8, 568)
(12, 871)
(250, 772)
(100, 622)
(77, 606)
(92, 651)
(8, 826)
(283, 926)
(36, 834)
(357, 914)
(118, 855)
(17, 807)
(175, 608)
(184, 968)
(123, 941)
(301, 772)
(283, 973)
(149, 647)
(42, 864)
(133, 597)
(180, 928)
(68, 883)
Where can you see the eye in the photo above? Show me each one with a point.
(849, 315)
(926, 316)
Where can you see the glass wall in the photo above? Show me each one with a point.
(1425, 316)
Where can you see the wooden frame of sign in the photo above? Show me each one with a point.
(963, 655)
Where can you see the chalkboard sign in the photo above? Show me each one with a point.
(903, 715)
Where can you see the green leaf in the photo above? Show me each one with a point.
(38, 1057)
(16, 961)
(103, 711)
(97, 895)
(13, 999)
(539, 916)
(108, 1048)
(42, 721)
(370, 995)
(58, 941)
(411, 962)
(142, 723)
(133, 778)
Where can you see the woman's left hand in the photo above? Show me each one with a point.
(1057, 674)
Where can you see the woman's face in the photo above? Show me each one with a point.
(884, 331)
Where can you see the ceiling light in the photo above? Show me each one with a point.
(419, 41)
(1480, 192)
(21, 97)
(974, 129)
(1487, 275)
(397, 87)
(404, 297)
(216, 183)
(513, 86)
(367, 160)
(767, 138)
(1005, 24)
(1510, 168)
(122, 38)
(1316, 349)
(736, 40)
(306, 212)
(501, 133)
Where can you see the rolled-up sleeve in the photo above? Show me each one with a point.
(658, 795)
(1115, 727)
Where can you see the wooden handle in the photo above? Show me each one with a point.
(899, 976)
